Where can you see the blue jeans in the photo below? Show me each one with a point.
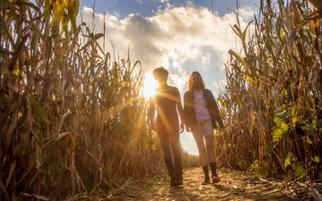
(170, 143)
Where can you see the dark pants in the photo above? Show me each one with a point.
(170, 143)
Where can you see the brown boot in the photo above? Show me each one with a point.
(176, 181)
(206, 175)
(214, 176)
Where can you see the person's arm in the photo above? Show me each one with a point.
(180, 109)
(185, 111)
(217, 112)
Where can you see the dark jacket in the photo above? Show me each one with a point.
(189, 109)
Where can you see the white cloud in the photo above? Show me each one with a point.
(167, 4)
(179, 39)
(182, 39)
(205, 59)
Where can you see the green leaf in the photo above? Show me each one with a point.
(287, 161)
(284, 127)
(277, 121)
(16, 71)
(282, 33)
(317, 159)
(284, 92)
(294, 120)
(299, 171)
(249, 79)
(278, 134)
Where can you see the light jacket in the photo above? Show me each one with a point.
(189, 109)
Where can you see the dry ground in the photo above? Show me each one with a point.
(234, 185)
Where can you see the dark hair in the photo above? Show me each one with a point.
(192, 85)
(160, 73)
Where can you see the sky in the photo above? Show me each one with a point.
(181, 35)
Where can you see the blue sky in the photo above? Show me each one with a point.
(149, 7)
(181, 35)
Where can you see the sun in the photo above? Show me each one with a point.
(150, 86)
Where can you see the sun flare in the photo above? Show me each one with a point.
(150, 86)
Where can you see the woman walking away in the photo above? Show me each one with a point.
(202, 117)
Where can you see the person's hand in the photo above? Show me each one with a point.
(188, 129)
(181, 129)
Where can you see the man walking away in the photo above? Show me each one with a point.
(168, 104)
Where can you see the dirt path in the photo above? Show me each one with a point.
(235, 185)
